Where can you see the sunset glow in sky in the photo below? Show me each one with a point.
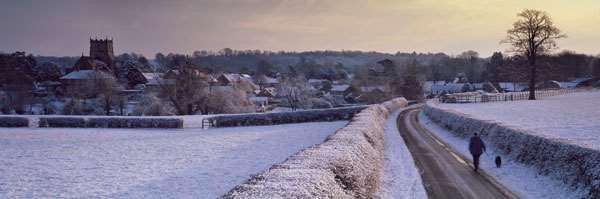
(63, 27)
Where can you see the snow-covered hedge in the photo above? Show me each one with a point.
(110, 122)
(574, 165)
(347, 165)
(317, 115)
(9, 121)
(122, 122)
(62, 122)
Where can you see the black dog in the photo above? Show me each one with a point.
(498, 161)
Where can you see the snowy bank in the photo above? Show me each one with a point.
(571, 118)
(521, 179)
(574, 164)
(347, 165)
(401, 177)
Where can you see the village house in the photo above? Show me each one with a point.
(232, 81)
(264, 81)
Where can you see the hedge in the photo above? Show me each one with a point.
(62, 122)
(319, 115)
(9, 121)
(121, 122)
(110, 122)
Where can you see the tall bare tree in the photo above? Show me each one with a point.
(187, 90)
(533, 34)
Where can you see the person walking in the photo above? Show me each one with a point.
(476, 147)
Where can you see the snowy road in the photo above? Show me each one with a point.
(446, 174)
(147, 163)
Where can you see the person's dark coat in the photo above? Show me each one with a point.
(476, 146)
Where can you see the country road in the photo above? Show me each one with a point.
(445, 173)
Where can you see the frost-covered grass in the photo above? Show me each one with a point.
(141, 163)
(400, 178)
(519, 178)
(572, 118)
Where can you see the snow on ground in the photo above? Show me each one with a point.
(401, 178)
(571, 118)
(519, 178)
(144, 163)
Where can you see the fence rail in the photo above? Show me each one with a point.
(475, 97)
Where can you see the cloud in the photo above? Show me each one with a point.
(61, 27)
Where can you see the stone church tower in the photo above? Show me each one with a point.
(102, 49)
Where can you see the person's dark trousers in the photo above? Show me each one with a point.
(476, 161)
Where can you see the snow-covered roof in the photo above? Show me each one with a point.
(315, 81)
(513, 86)
(259, 99)
(371, 88)
(87, 74)
(573, 83)
(438, 87)
(149, 76)
(340, 87)
(448, 88)
(236, 77)
(157, 79)
(49, 83)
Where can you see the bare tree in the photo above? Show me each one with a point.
(493, 68)
(513, 70)
(294, 90)
(533, 34)
(187, 90)
(234, 101)
(106, 88)
(15, 100)
(122, 104)
(409, 82)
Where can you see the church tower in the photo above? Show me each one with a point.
(102, 49)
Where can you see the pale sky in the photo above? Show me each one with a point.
(63, 27)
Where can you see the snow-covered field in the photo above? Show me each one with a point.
(401, 178)
(572, 118)
(144, 163)
(521, 179)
